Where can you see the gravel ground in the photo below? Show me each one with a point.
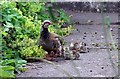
(95, 63)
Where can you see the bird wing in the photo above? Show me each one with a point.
(54, 36)
(52, 44)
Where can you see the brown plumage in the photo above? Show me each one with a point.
(50, 42)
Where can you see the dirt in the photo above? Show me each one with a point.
(95, 63)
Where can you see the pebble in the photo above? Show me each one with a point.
(113, 35)
(102, 67)
(95, 32)
(98, 39)
(111, 29)
(102, 36)
(39, 67)
(85, 33)
(117, 38)
(110, 49)
(90, 70)
(83, 38)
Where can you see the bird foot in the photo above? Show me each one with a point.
(55, 54)
(48, 57)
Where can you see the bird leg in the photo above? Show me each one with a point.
(57, 54)
(54, 54)
(48, 57)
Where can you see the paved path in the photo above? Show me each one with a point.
(95, 63)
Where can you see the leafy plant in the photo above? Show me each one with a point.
(29, 49)
(20, 28)
(8, 67)
(61, 31)
(7, 72)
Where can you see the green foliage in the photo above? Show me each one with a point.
(7, 72)
(29, 49)
(20, 28)
(62, 16)
(61, 31)
(10, 14)
(50, 10)
(9, 66)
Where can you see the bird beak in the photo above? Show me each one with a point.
(50, 22)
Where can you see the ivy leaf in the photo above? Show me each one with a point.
(21, 62)
(6, 30)
(4, 33)
(8, 25)
(7, 68)
(7, 72)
